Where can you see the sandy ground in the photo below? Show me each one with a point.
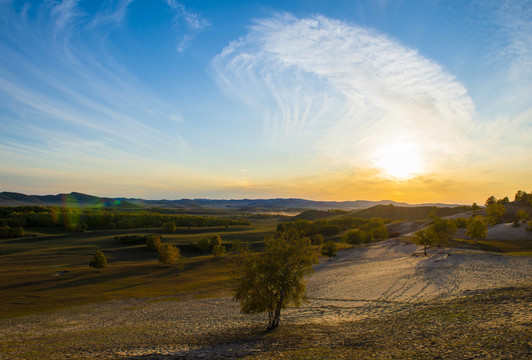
(359, 283)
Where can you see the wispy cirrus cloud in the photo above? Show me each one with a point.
(344, 89)
(66, 94)
(193, 21)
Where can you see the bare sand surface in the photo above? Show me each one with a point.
(359, 283)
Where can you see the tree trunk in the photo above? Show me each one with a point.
(425, 250)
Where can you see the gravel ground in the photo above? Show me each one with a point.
(370, 288)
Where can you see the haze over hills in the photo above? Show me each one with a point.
(85, 200)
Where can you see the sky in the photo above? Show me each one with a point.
(406, 100)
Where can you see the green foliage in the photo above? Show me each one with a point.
(523, 198)
(171, 255)
(99, 261)
(329, 230)
(495, 211)
(477, 228)
(203, 244)
(275, 280)
(503, 201)
(426, 237)
(153, 242)
(354, 237)
(317, 239)
(475, 206)
(215, 240)
(444, 229)
(169, 227)
(105, 218)
(491, 200)
(8, 232)
(218, 250)
(521, 214)
(329, 249)
(461, 222)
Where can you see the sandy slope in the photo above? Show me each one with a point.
(361, 282)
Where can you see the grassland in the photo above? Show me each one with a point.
(48, 268)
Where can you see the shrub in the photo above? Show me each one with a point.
(153, 242)
(477, 228)
(529, 226)
(378, 233)
(99, 261)
(203, 244)
(218, 250)
(329, 249)
(354, 237)
(317, 239)
(461, 222)
(16, 232)
(171, 255)
(169, 227)
(329, 230)
(215, 240)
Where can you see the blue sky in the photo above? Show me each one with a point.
(405, 100)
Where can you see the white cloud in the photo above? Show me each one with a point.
(194, 23)
(344, 89)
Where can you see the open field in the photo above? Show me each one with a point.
(50, 270)
(376, 300)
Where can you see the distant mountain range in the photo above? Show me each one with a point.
(84, 200)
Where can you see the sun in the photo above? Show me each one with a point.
(400, 160)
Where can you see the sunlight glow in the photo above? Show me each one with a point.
(400, 160)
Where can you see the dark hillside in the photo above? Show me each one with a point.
(405, 213)
(319, 214)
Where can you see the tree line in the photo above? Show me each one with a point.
(77, 219)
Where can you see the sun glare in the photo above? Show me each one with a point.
(400, 160)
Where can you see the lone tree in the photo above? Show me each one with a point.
(425, 237)
(99, 261)
(275, 280)
(171, 255)
(329, 249)
(477, 228)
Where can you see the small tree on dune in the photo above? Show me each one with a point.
(275, 280)
(425, 237)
